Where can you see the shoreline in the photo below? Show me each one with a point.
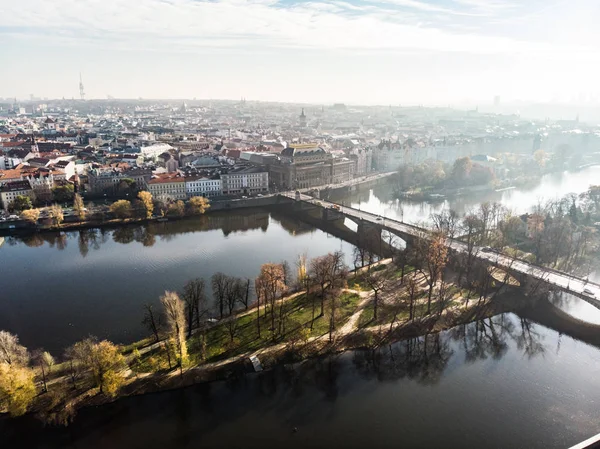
(278, 354)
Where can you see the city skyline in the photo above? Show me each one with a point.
(362, 52)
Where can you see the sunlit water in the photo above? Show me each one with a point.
(504, 383)
(56, 291)
(551, 187)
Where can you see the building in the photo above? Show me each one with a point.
(203, 186)
(245, 181)
(155, 150)
(363, 158)
(168, 187)
(11, 190)
(106, 180)
(306, 165)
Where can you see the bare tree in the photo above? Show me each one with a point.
(45, 361)
(412, 290)
(218, 282)
(152, 321)
(195, 302)
(271, 281)
(72, 357)
(287, 273)
(11, 352)
(435, 262)
(377, 281)
(175, 313)
(446, 222)
(260, 294)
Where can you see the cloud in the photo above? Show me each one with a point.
(453, 26)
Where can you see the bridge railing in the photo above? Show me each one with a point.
(421, 230)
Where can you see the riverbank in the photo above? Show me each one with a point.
(143, 376)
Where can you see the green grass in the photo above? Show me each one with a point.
(219, 344)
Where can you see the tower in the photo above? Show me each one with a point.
(302, 119)
(81, 92)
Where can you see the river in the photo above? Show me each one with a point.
(502, 383)
(56, 289)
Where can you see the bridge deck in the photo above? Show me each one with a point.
(588, 291)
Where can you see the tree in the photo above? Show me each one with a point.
(160, 207)
(287, 273)
(377, 281)
(147, 203)
(461, 170)
(435, 261)
(412, 289)
(17, 388)
(55, 213)
(177, 209)
(197, 205)
(218, 282)
(121, 209)
(79, 207)
(11, 352)
(20, 203)
(73, 359)
(175, 314)
(45, 361)
(30, 215)
(105, 362)
(64, 193)
(271, 281)
(260, 293)
(540, 158)
(195, 303)
(152, 321)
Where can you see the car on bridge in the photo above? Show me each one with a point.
(588, 291)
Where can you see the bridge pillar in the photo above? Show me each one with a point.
(369, 236)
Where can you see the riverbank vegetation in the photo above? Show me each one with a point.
(317, 306)
(143, 207)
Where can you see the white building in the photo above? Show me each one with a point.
(11, 190)
(245, 181)
(201, 186)
(155, 150)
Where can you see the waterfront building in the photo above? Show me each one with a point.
(245, 181)
(105, 180)
(203, 186)
(168, 187)
(11, 190)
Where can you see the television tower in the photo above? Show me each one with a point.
(81, 92)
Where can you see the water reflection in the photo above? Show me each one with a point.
(481, 385)
(94, 281)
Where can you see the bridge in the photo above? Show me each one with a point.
(369, 222)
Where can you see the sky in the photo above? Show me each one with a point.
(431, 52)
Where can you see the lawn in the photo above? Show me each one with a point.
(221, 345)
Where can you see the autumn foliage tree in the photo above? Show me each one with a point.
(17, 388)
(105, 362)
(121, 209)
(174, 309)
(147, 202)
(79, 207)
(30, 215)
(197, 205)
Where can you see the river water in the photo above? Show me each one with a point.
(502, 383)
(56, 289)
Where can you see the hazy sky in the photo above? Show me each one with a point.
(384, 51)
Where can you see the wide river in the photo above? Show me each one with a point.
(56, 289)
(505, 383)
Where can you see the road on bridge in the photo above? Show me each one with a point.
(588, 291)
